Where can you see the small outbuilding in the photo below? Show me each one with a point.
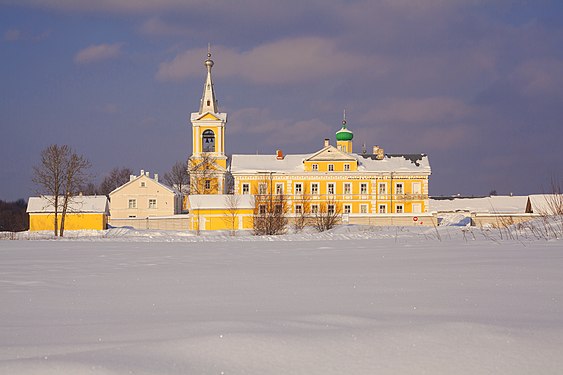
(83, 212)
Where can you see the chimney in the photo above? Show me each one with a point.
(131, 177)
(327, 142)
(147, 173)
(156, 177)
(279, 154)
(142, 172)
(379, 152)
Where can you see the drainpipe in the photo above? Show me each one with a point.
(391, 188)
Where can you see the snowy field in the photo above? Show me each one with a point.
(355, 300)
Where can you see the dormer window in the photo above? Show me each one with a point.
(143, 184)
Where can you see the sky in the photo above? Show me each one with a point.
(477, 85)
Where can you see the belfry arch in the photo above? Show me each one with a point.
(208, 141)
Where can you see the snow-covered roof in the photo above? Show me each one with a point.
(267, 163)
(146, 177)
(418, 163)
(294, 163)
(220, 201)
(81, 203)
(494, 204)
(546, 204)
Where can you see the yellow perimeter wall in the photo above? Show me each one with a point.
(221, 219)
(73, 221)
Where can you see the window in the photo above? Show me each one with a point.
(152, 203)
(416, 188)
(279, 188)
(132, 216)
(262, 209)
(298, 209)
(278, 209)
(364, 208)
(315, 208)
(208, 140)
(262, 188)
(382, 208)
(298, 188)
(347, 208)
(399, 208)
(346, 167)
(382, 188)
(399, 188)
(207, 184)
(246, 188)
(347, 188)
(330, 188)
(315, 188)
(330, 209)
(315, 167)
(417, 208)
(331, 167)
(143, 184)
(132, 203)
(363, 188)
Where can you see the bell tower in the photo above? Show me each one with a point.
(208, 163)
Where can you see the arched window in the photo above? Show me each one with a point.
(208, 139)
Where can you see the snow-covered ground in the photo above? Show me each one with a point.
(356, 300)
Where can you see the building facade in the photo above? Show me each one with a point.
(84, 212)
(360, 186)
(142, 197)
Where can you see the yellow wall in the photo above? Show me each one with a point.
(322, 166)
(221, 219)
(73, 221)
(372, 198)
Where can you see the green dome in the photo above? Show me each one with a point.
(344, 134)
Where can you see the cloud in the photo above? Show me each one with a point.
(418, 111)
(12, 35)
(109, 108)
(156, 26)
(291, 60)
(277, 132)
(539, 76)
(99, 52)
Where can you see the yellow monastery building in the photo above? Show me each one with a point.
(366, 188)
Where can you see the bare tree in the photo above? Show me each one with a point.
(115, 178)
(203, 174)
(302, 210)
(59, 175)
(178, 177)
(75, 178)
(270, 209)
(90, 189)
(554, 200)
(328, 215)
(232, 203)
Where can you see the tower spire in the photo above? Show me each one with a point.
(208, 100)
